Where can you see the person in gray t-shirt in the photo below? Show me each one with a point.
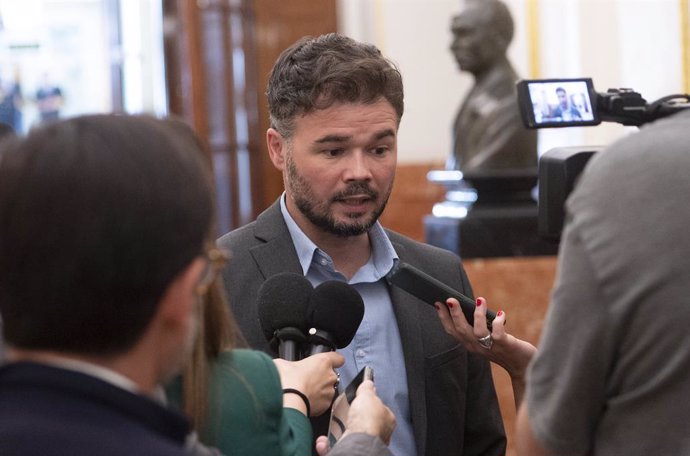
(610, 374)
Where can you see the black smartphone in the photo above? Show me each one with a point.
(341, 404)
(430, 290)
(367, 373)
(557, 102)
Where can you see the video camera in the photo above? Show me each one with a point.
(554, 103)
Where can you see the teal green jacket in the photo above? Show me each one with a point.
(245, 409)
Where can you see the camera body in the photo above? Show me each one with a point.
(559, 169)
(555, 103)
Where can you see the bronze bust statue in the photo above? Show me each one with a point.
(489, 137)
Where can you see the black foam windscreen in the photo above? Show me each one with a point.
(337, 308)
(282, 302)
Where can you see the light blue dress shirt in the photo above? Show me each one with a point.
(377, 342)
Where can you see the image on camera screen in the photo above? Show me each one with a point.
(556, 103)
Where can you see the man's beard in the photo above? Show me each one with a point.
(319, 213)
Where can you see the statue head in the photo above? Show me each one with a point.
(481, 34)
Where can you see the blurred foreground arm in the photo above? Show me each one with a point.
(526, 442)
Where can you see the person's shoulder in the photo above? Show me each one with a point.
(251, 365)
(238, 235)
(246, 358)
(264, 227)
(638, 170)
(123, 425)
(245, 376)
(657, 147)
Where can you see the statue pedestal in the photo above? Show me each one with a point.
(501, 223)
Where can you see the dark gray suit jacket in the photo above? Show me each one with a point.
(452, 398)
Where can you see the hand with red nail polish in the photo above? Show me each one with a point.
(502, 348)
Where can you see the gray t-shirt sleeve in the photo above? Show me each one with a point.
(567, 379)
(360, 444)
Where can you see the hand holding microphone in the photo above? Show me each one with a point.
(308, 322)
(314, 377)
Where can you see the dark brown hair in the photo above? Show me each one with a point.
(98, 214)
(315, 73)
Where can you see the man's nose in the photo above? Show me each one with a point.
(358, 167)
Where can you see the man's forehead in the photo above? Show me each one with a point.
(332, 111)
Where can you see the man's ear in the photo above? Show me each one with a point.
(277, 148)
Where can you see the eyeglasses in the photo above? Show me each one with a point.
(215, 261)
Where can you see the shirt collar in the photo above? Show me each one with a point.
(383, 255)
(93, 370)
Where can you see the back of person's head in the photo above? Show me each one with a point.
(98, 215)
(315, 73)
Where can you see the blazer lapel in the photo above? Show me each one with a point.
(276, 253)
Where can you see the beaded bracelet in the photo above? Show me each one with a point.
(300, 394)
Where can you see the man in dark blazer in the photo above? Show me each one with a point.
(335, 108)
(100, 271)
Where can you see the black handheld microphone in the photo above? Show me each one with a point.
(334, 313)
(282, 304)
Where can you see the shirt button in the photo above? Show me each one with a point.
(323, 261)
(361, 353)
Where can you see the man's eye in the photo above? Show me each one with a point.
(333, 152)
(381, 150)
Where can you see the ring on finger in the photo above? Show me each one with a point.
(486, 341)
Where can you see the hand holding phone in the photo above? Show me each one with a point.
(431, 291)
(359, 410)
(341, 405)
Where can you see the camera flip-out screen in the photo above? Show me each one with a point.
(557, 102)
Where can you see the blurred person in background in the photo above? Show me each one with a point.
(49, 99)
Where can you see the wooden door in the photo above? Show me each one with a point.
(218, 55)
